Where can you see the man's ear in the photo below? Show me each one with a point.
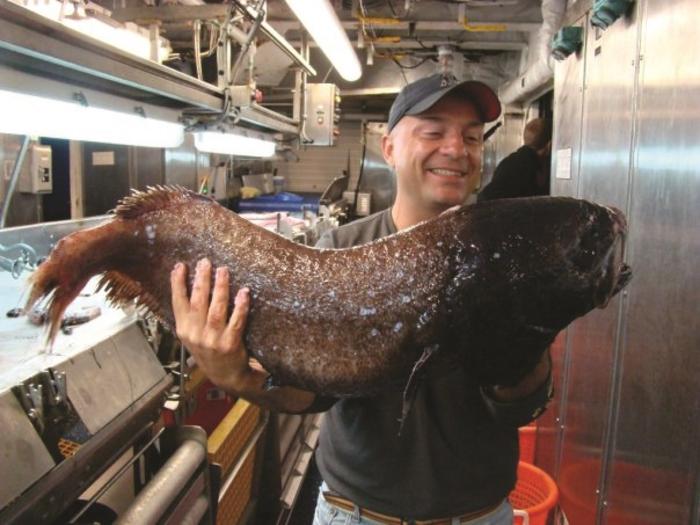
(388, 149)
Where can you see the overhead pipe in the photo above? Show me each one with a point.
(540, 70)
(248, 42)
(301, 87)
(270, 32)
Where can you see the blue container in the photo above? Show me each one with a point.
(284, 201)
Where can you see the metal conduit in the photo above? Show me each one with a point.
(197, 511)
(13, 180)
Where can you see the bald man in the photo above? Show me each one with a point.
(524, 173)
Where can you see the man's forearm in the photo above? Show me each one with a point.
(528, 385)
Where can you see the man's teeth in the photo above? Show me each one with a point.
(448, 173)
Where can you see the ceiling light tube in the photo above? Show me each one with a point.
(233, 144)
(95, 22)
(38, 116)
(319, 19)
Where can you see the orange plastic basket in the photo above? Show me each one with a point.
(527, 436)
(534, 496)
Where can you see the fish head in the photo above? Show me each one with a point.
(596, 255)
(558, 258)
(583, 260)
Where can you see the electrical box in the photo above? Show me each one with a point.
(39, 177)
(322, 113)
(364, 202)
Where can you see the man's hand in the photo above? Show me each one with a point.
(214, 340)
(528, 384)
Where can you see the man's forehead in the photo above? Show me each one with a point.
(437, 117)
(452, 107)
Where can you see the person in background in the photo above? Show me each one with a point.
(525, 172)
(455, 459)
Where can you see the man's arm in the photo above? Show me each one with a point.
(216, 343)
(529, 384)
(516, 406)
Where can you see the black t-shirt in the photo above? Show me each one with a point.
(515, 176)
(458, 449)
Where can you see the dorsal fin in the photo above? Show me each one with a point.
(154, 198)
(121, 289)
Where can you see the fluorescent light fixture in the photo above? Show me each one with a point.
(127, 37)
(319, 19)
(233, 144)
(31, 115)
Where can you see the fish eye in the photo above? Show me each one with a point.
(585, 255)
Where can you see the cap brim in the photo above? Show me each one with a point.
(482, 95)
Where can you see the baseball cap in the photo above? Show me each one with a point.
(424, 93)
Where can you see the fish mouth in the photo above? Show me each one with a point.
(598, 255)
(616, 274)
(623, 278)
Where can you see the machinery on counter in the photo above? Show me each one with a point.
(70, 413)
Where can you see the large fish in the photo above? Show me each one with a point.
(488, 286)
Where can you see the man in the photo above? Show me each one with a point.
(525, 172)
(455, 459)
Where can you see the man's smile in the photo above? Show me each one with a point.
(445, 172)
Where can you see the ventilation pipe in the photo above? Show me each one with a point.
(540, 70)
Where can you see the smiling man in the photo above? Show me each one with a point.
(456, 457)
(455, 460)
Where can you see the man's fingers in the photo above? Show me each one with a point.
(199, 302)
(255, 365)
(240, 313)
(219, 299)
(181, 303)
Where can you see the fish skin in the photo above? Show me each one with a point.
(488, 285)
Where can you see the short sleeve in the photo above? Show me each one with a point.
(523, 411)
(326, 240)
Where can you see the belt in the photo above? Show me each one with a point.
(346, 504)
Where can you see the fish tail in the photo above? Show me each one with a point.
(107, 249)
(70, 265)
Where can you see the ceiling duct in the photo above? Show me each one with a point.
(540, 71)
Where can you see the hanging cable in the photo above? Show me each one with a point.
(414, 66)
(330, 69)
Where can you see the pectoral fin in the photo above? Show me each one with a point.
(414, 381)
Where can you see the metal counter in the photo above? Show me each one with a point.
(68, 413)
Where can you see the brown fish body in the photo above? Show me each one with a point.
(483, 284)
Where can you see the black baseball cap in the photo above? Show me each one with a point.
(421, 95)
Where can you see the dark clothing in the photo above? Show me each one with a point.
(515, 176)
(458, 449)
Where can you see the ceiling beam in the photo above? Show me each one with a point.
(477, 45)
(172, 13)
(433, 25)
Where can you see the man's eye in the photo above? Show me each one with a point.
(473, 140)
(433, 134)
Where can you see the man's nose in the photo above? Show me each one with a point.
(454, 145)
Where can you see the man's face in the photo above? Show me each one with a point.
(436, 155)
